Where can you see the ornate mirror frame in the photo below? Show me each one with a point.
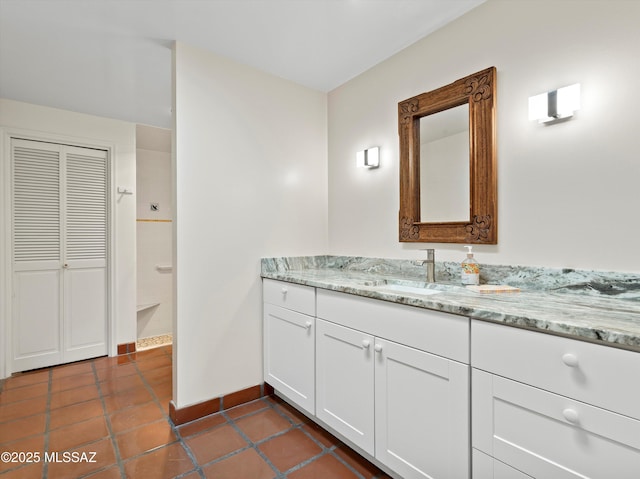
(479, 91)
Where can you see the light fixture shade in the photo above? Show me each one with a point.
(538, 107)
(369, 158)
(555, 105)
(568, 100)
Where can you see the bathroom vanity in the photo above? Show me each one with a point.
(432, 380)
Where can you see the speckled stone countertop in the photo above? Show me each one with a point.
(589, 305)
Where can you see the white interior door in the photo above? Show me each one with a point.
(85, 234)
(59, 226)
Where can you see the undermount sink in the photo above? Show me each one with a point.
(404, 288)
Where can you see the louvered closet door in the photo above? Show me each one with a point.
(85, 247)
(59, 253)
(37, 255)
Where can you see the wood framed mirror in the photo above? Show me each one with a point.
(478, 222)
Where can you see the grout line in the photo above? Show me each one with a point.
(253, 445)
(173, 427)
(112, 436)
(47, 422)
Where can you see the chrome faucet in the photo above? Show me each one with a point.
(430, 264)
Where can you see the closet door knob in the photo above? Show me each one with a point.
(570, 360)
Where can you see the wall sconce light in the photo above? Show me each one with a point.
(369, 158)
(555, 105)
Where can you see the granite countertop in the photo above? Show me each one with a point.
(593, 306)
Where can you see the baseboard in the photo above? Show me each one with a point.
(126, 348)
(211, 406)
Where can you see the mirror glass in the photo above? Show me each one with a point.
(444, 165)
(448, 189)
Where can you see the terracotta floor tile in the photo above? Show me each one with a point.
(28, 407)
(26, 379)
(33, 443)
(359, 463)
(164, 463)
(24, 392)
(321, 435)
(154, 363)
(263, 424)
(110, 473)
(120, 384)
(104, 456)
(109, 362)
(201, 425)
(126, 369)
(158, 375)
(150, 354)
(73, 396)
(30, 471)
(244, 465)
(135, 416)
(23, 427)
(290, 449)
(72, 369)
(128, 398)
(144, 438)
(72, 382)
(163, 390)
(296, 416)
(75, 413)
(77, 434)
(215, 443)
(323, 468)
(243, 410)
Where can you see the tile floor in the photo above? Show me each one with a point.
(108, 418)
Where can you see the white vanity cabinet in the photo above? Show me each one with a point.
(548, 407)
(289, 341)
(394, 381)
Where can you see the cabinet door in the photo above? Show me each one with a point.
(548, 436)
(486, 467)
(289, 355)
(421, 413)
(344, 382)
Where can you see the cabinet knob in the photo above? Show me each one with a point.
(307, 325)
(570, 360)
(284, 290)
(571, 415)
(366, 343)
(378, 348)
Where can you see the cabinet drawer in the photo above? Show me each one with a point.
(295, 297)
(438, 333)
(546, 435)
(600, 375)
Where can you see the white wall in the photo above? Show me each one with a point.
(251, 181)
(154, 230)
(568, 193)
(88, 130)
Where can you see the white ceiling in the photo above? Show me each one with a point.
(112, 58)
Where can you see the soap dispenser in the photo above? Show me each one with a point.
(470, 269)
